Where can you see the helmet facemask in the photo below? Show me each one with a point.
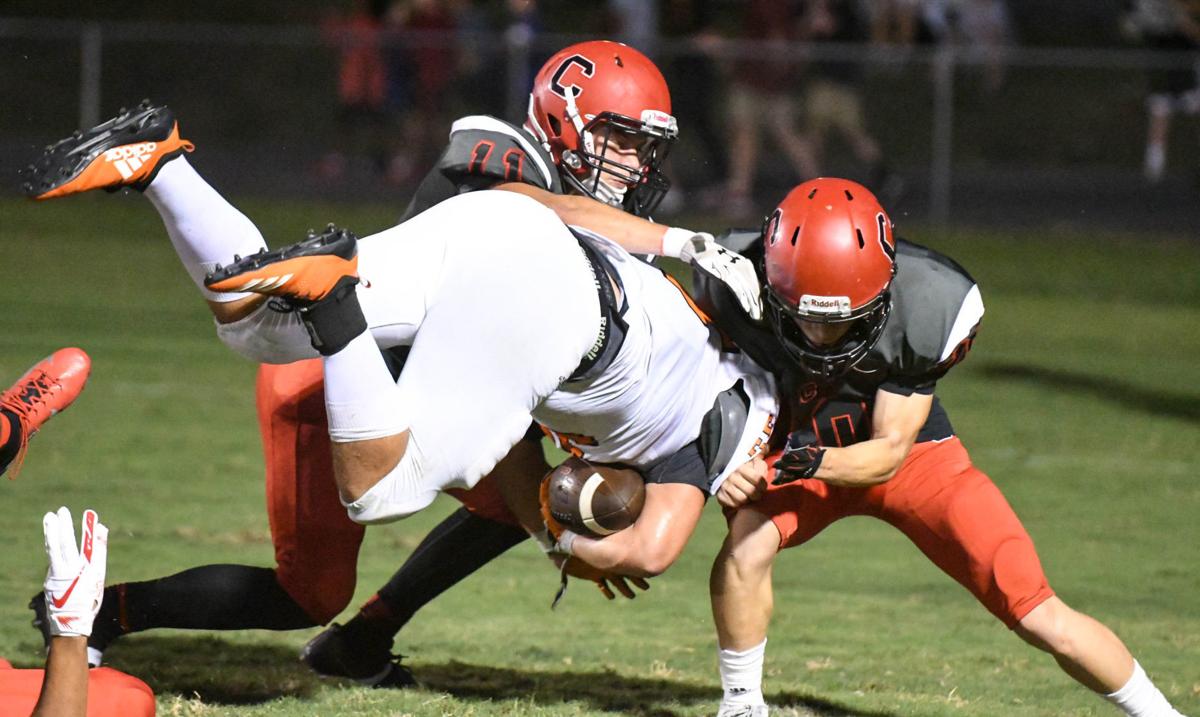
(592, 172)
(827, 362)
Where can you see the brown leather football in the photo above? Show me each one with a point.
(594, 499)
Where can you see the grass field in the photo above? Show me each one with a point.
(1080, 399)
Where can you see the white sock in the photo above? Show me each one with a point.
(741, 675)
(1140, 698)
(205, 229)
(360, 395)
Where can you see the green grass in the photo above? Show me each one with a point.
(1080, 400)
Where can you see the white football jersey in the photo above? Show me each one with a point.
(649, 402)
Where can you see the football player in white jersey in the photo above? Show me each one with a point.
(597, 110)
(507, 311)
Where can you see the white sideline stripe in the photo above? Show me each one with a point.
(969, 314)
(491, 124)
(590, 486)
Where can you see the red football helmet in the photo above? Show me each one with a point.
(829, 258)
(593, 97)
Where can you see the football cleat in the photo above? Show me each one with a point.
(49, 387)
(304, 272)
(126, 151)
(335, 653)
(103, 633)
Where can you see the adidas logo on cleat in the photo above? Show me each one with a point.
(129, 158)
(265, 284)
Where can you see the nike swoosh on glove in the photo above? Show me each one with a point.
(75, 581)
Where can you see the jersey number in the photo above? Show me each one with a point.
(513, 160)
(841, 423)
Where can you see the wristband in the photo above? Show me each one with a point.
(565, 542)
(543, 539)
(674, 239)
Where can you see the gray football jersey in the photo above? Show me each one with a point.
(484, 151)
(936, 309)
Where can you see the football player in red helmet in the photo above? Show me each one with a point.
(827, 290)
(603, 111)
(867, 325)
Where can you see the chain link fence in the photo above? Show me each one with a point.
(1022, 136)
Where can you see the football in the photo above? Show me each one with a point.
(594, 499)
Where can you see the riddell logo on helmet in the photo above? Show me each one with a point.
(825, 305)
(657, 119)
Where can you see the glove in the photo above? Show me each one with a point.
(801, 458)
(576, 568)
(727, 266)
(75, 581)
(555, 528)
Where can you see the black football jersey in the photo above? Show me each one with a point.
(936, 309)
(483, 152)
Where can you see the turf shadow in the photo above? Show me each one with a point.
(219, 672)
(599, 690)
(1157, 403)
(214, 670)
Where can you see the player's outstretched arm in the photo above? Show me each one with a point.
(640, 236)
(894, 427)
(636, 235)
(74, 588)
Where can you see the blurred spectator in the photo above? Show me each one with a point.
(763, 93)
(1168, 25)
(894, 22)
(426, 29)
(694, 79)
(635, 23)
(985, 25)
(478, 55)
(834, 98)
(522, 25)
(362, 85)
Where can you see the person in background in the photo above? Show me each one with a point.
(1169, 26)
(763, 95)
(834, 99)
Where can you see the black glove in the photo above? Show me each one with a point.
(800, 459)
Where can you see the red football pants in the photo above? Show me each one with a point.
(111, 693)
(316, 544)
(947, 507)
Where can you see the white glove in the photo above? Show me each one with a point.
(75, 582)
(731, 268)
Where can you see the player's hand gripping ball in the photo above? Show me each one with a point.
(593, 499)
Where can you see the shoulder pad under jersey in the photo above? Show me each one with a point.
(936, 310)
(485, 151)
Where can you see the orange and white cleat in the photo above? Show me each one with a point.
(50, 386)
(303, 273)
(126, 151)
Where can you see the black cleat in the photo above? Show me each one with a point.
(303, 272)
(335, 653)
(126, 151)
(102, 634)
